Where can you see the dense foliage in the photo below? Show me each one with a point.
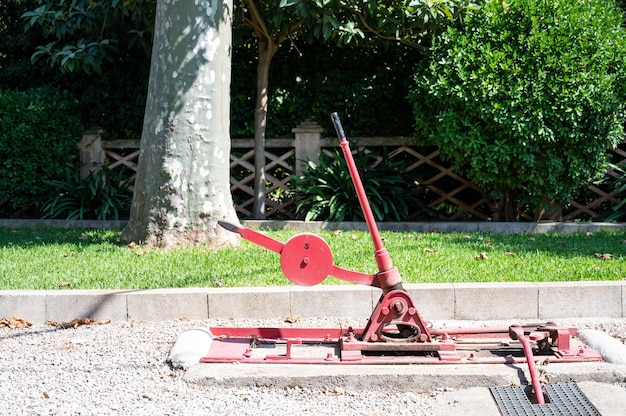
(325, 191)
(102, 195)
(39, 130)
(112, 99)
(526, 97)
(367, 86)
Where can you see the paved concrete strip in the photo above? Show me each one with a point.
(397, 378)
(447, 301)
(457, 389)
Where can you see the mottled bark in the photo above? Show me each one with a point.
(183, 178)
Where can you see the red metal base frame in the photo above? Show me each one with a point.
(343, 346)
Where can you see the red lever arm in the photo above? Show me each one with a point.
(300, 266)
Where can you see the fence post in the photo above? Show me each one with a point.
(308, 136)
(90, 153)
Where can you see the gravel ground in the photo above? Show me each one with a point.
(120, 368)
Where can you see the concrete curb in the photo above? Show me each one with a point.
(455, 301)
(422, 227)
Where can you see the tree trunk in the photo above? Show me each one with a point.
(505, 209)
(267, 50)
(183, 178)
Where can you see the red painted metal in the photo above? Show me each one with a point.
(517, 333)
(306, 259)
(388, 276)
(396, 333)
(396, 309)
(346, 347)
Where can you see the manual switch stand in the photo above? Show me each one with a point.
(396, 332)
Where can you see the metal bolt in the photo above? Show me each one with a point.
(398, 306)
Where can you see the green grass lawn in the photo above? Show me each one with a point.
(64, 259)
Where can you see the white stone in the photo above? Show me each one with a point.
(189, 347)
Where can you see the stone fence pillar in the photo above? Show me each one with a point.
(90, 153)
(308, 137)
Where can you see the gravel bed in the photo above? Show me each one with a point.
(120, 368)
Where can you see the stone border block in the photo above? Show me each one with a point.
(433, 300)
(334, 301)
(29, 305)
(581, 299)
(158, 304)
(514, 300)
(249, 302)
(63, 306)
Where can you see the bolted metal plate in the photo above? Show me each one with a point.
(564, 399)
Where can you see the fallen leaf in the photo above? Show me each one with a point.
(293, 318)
(64, 284)
(83, 238)
(588, 233)
(337, 232)
(604, 256)
(428, 250)
(74, 323)
(132, 244)
(543, 377)
(353, 236)
(337, 391)
(482, 256)
(488, 242)
(254, 340)
(15, 322)
(46, 395)
(508, 253)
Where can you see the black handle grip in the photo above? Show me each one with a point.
(338, 126)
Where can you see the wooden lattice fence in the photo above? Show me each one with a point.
(450, 196)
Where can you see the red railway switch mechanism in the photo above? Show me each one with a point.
(396, 332)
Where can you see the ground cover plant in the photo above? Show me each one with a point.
(65, 259)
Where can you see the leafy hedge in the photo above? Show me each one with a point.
(367, 86)
(526, 97)
(39, 129)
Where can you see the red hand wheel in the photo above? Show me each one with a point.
(306, 259)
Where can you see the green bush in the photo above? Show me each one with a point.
(325, 191)
(101, 195)
(366, 85)
(39, 130)
(526, 97)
